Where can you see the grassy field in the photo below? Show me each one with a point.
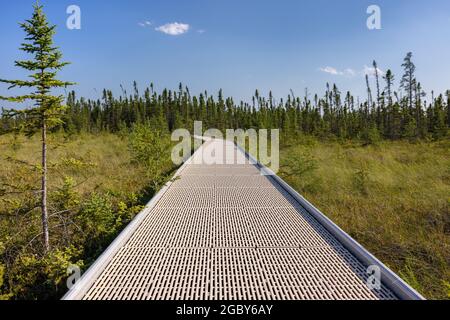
(393, 198)
(97, 163)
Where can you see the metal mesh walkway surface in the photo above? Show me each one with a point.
(226, 232)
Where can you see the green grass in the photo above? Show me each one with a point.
(393, 198)
(96, 162)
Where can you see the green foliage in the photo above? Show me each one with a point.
(410, 129)
(66, 197)
(361, 180)
(57, 263)
(126, 213)
(409, 82)
(328, 118)
(47, 110)
(43, 67)
(43, 277)
(75, 163)
(371, 136)
(301, 166)
(96, 217)
(151, 149)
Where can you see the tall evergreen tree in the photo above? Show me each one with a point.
(408, 81)
(47, 110)
(369, 92)
(375, 67)
(389, 78)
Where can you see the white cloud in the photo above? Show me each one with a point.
(349, 72)
(370, 71)
(201, 31)
(174, 29)
(331, 70)
(145, 24)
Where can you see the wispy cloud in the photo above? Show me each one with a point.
(145, 24)
(331, 70)
(201, 31)
(349, 72)
(174, 29)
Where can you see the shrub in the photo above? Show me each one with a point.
(151, 149)
(361, 180)
(33, 277)
(96, 217)
(300, 165)
(371, 136)
(66, 198)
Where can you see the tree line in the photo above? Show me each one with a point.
(384, 114)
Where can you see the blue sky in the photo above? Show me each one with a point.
(237, 45)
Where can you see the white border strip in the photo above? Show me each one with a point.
(388, 277)
(88, 279)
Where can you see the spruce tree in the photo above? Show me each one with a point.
(369, 92)
(377, 79)
(408, 81)
(389, 78)
(47, 109)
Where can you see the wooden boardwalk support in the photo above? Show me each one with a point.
(226, 232)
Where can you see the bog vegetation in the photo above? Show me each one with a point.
(378, 167)
(394, 198)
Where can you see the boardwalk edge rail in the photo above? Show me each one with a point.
(389, 278)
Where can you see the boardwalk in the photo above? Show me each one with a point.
(228, 232)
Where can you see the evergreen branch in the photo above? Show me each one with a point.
(20, 99)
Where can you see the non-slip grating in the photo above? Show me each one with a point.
(225, 232)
